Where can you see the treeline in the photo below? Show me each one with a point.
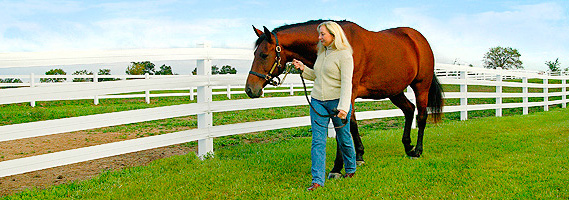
(146, 67)
(509, 58)
(135, 68)
(80, 72)
(10, 80)
(226, 69)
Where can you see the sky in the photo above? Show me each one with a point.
(458, 31)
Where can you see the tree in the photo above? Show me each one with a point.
(53, 72)
(164, 70)
(214, 70)
(227, 70)
(105, 72)
(82, 72)
(553, 66)
(11, 80)
(140, 68)
(506, 58)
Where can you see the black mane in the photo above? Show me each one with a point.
(287, 26)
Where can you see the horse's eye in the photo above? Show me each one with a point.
(264, 56)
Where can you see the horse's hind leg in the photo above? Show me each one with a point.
(422, 96)
(358, 145)
(336, 171)
(401, 101)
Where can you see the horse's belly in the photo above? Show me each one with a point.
(386, 91)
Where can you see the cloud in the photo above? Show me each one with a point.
(162, 33)
(537, 30)
(137, 8)
(63, 25)
(117, 33)
(35, 7)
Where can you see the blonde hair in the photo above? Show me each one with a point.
(340, 39)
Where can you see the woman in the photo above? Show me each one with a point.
(332, 76)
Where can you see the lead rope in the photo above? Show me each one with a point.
(335, 111)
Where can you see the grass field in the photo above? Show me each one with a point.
(511, 157)
(514, 157)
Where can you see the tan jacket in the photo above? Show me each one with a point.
(332, 76)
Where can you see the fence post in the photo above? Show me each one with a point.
(546, 93)
(205, 120)
(95, 80)
(229, 91)
(291, 89)
(464, 96)
(525, 92)
(499, 92)
(147, 92)
(564, 92)
(330, 130)
(32, 84)
(191, 93)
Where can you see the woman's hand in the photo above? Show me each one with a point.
(298, 64)
(342, 114)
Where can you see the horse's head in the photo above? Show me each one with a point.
(268, 63)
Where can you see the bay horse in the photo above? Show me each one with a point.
(385, 63)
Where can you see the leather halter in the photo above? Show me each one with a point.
(270, 78)
(277, 65)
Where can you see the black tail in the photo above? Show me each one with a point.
(436, 100)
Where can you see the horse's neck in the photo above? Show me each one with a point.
(303, 48)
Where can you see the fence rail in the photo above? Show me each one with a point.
(85, 90)
(205, 108)
(191, 92)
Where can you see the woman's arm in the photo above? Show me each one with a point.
(346, 74)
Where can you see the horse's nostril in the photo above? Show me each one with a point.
(249, 92)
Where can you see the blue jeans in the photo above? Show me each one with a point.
(319, 135)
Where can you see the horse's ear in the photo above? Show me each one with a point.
(268, 34)
(257, 31)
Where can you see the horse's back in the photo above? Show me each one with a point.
(388, 61)
(422, 48)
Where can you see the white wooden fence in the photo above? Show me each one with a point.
(227, 90)
(205, 107)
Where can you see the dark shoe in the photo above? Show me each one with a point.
(349, 175)
(313, 187)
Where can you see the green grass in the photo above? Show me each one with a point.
(481, 158)
(486, 158)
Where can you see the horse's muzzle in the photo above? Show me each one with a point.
(252, 93)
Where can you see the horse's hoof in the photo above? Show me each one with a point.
(414, 153)
(360, 163)
(409, 149)
(412, 158)
(334, 175)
